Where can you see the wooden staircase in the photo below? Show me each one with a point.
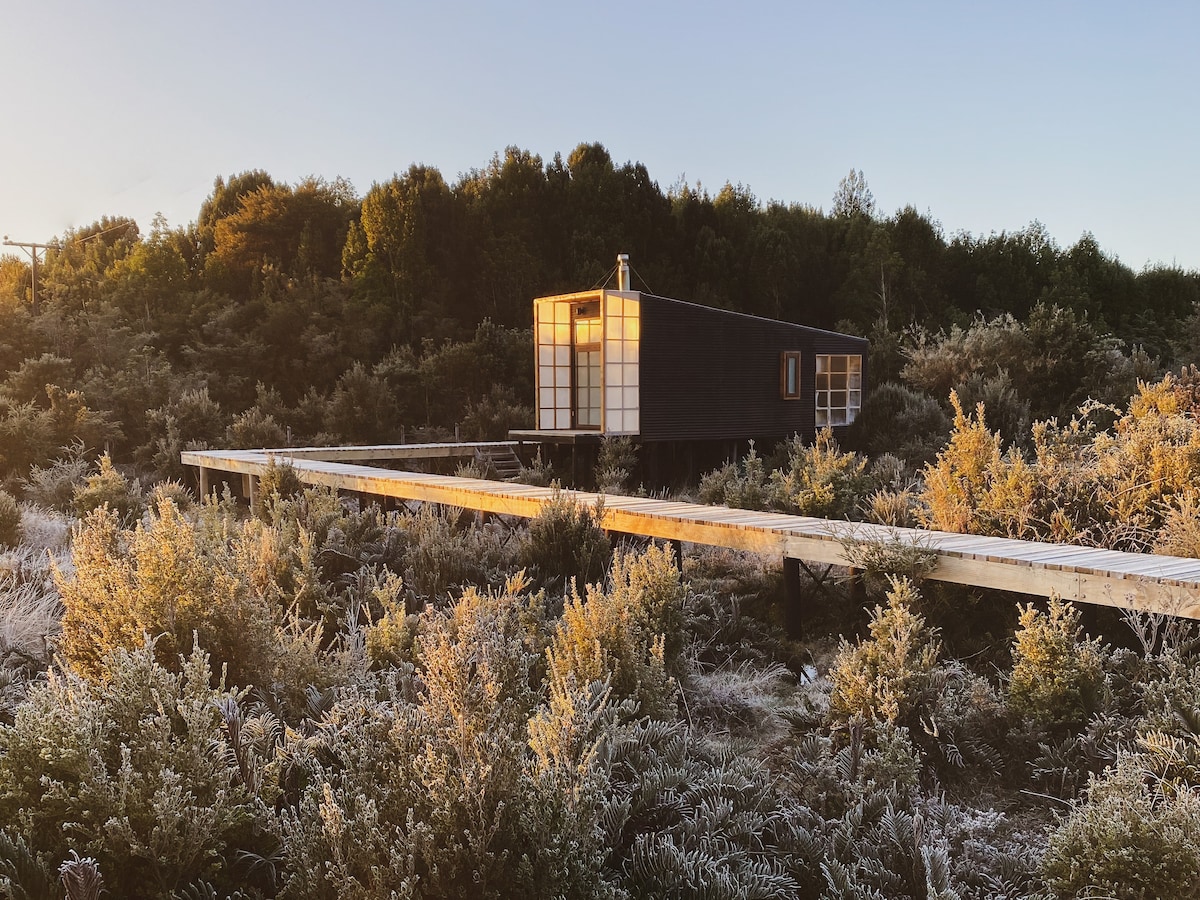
(500, 462)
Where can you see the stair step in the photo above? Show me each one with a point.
(501, 460)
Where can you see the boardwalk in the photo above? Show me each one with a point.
(1166, 584)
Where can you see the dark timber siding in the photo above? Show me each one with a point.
(712, 374)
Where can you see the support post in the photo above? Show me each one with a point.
(250, 486)
(205, 483)
(793, 618)
(858, 591)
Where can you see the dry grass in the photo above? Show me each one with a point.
(30, 608)
(747, 699)
(44, 530)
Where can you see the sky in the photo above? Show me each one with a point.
(987, 117)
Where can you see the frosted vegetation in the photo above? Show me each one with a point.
(315, 700)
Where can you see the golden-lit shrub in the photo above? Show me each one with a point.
(1057, 675)
(888, 675)
(108, 487)
(169, 578)
(819, 479)
(628, 633)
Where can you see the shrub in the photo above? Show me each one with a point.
(169, 577)
(690, 817)
(439, 553)
(741, 485)
(897, 508)
(108, 487)
(493, 416)
(615, 463)
(896, 419)
(956, 482)
(888, 675)
(565, 540)
(539, 473)
(1128, 839)
(628, 634)
(452, 790)
(881, 560)
(389, 638)
(30, 614)
(819, 479)
(254, 428)
(53, 486)
(10, 520)
(279, 482)
(1057, 676)
(137, 771)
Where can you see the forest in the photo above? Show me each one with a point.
(315, 698)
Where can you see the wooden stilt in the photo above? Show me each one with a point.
(793, 612)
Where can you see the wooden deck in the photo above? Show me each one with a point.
(1165, 584)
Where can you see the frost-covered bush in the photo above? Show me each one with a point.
(1134, 836)
(738, 484)
(615, 464)
(53, 485)
(136, 770)
(565, 540)
(10, 520)
(699, 819)
(444, 549)
(449, 779)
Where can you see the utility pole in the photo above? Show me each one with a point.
(33, 250)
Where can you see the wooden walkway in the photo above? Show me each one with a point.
(1165, 584)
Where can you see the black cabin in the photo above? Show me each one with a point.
(628, 363)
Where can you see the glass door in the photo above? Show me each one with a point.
(586, 334)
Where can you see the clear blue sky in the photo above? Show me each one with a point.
(987, 116)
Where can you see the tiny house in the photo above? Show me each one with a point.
(623, 362)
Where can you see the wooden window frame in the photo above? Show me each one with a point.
(824, 389)
(786, 359)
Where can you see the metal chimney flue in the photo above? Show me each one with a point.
(623, 280)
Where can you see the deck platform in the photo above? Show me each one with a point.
(1161, 584)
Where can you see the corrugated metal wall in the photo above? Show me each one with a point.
(712, 374)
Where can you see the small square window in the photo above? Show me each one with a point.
(789, 375)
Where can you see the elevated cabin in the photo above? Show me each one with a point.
(625, 362)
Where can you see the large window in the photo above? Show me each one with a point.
(839, 389)
(789, 375)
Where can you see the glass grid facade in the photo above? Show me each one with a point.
(622, 330)
(586, 381)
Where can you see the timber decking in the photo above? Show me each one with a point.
(1164, 584)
